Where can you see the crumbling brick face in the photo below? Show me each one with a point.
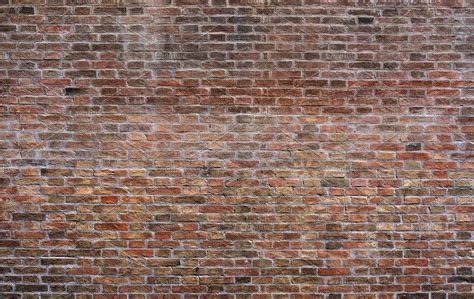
(236, 149)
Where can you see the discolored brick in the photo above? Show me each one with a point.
(73, 91)
(236, 149)
(29, 216)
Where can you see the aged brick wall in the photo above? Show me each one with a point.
(229, 149)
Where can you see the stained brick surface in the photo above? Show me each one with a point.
(236, 149)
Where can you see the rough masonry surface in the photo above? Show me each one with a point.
(236, 149)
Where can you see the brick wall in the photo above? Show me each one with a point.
(231, 149)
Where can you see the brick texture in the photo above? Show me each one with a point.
(236, 149)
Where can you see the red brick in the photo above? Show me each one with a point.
(111, 226)
(250, 148)
(138, 253)
(333, 271)
(413, 156)
(439, 165)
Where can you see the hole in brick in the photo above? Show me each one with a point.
(74, 91)
(413, 147)
(365, 20)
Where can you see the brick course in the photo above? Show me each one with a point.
(234, 149)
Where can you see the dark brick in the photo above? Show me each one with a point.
(334, 245)
(365, 20)
(26, 10)
(74, 91)
(241, 280)
(464, 271)
(460, 279)
(334, 183)
(413, 147)
(79, 74)
(29, 216)
(57, 261)
(31, 288)
(333, 227)
(107, 47)
(7, 28)
(417, 56)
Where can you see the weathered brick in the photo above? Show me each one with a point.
(236, 149)
(26, 10)
(27, 288)
(413, 147)
(73, 91)
(333, 271)
(334, 183)
(29, 216)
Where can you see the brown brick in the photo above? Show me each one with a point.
(29, 216)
